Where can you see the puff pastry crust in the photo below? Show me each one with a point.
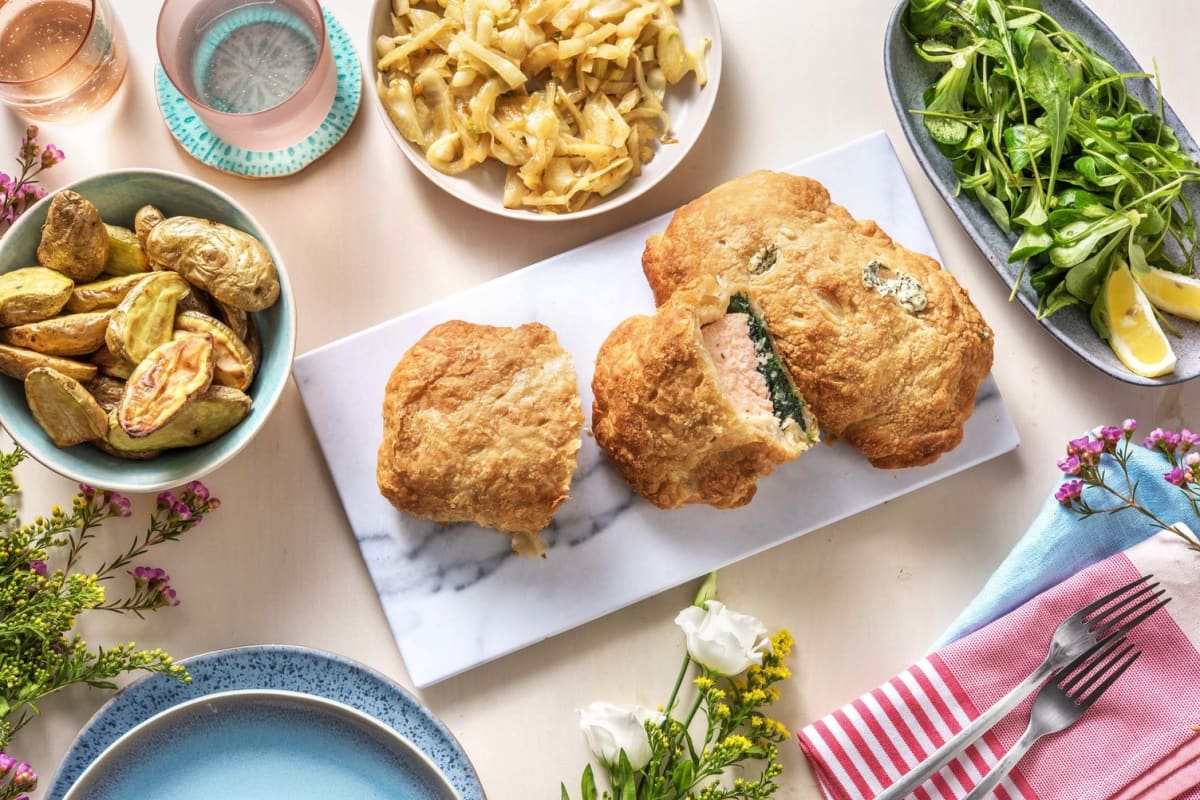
(662, 417)
(897, 385)
(482, 424)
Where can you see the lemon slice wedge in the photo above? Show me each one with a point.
(1134, 333)
(1174, 293)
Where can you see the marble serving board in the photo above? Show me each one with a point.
(455, 596)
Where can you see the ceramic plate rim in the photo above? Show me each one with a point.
(315, 700)
(636, 187)
(284, 651)
(1090, 349)
(267, 402)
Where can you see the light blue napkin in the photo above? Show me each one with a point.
(1058, 543)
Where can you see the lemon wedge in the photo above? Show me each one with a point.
(1174, 293)
(1134, 333)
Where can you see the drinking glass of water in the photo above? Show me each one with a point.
(59, 59)
(259, 73)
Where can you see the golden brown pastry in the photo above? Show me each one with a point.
(881, 341)
(482, 424)
(690, 404)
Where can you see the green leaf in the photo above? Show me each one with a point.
(564, 795)
(1137, 259)
(1077, 246)
(1034, 215)
(928, 17)
(1033, 241)
(1048, 79)
(587, 784)
(996, 209)
(1056, 301)
(1098, 316)
(682, 775)
(1025, 144)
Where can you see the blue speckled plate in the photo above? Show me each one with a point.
(266, 745)
(200, 143)
(294, 669)
(908, 76)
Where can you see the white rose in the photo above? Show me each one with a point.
(724, 641)
(612, 728)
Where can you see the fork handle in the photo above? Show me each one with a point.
(963, 739)
(1004, 766)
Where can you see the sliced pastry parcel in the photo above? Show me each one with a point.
(693, 405)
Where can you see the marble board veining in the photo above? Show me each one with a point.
(455, 596)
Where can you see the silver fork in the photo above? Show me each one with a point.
(1061, 702)
(1096, 623)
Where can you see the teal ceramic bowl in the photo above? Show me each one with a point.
(118, 195)
(267, 745)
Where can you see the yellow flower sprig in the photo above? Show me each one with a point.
(43, 593)
(739, 736)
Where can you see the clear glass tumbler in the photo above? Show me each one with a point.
(60, 59)
(259, 73)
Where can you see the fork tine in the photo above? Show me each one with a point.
(1083, 612)
(1122, 604)
(1086, 702)
(1078, 669)
(1109, 629)
(1095, 672)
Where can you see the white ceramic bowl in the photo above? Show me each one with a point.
(688, 105)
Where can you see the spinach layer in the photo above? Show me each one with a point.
(783, 397)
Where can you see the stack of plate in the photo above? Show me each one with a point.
(271, 723)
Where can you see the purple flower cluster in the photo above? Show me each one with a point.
(1185, 465)
(190, 506)
(154, 585)
(20, 775)
(106, 503)
(19, 192)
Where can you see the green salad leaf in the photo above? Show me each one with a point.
(1043, 132)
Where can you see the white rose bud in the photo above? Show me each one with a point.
(724, 641)
(612, 728)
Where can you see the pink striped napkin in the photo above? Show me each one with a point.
(1139, 742)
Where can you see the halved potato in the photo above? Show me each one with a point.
(125, 253)
(145, 318)
(211, 414)
(30, 294)
(18, 362)
(68, 335)
(63, 407)
(234, 363)
(163, 383)
(98, 295)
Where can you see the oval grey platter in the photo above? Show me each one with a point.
(908, 76)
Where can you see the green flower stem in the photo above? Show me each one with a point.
(687, 660)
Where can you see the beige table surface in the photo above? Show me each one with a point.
(366, 237)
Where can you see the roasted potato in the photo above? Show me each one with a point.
(237, 320)
(144, 221)
(230, 265)
(125, 253)
(103, 294)
(63, 407)
(233, 362)
(163, 383)
(209, 415)
(69, 335)
(31, 294)
(19, 362)
(74, 239)
(112, 365)
(145, 318)
(107, 391)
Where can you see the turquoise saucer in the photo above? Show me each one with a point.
(201, 144)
